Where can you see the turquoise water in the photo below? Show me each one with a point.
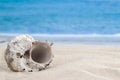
(60, 16)
(80, 21)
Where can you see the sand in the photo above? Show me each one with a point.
(72, 62)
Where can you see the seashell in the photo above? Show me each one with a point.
(25, 54)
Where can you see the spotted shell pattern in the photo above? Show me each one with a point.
(14, 55)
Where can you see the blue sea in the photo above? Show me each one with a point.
(76, 20)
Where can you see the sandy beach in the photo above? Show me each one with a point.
(72, 62)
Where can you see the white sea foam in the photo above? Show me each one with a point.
(70, 38)
(64, 35)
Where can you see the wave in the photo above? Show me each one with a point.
(69, 38)
(64, 35)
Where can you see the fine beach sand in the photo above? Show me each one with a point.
(72, 62)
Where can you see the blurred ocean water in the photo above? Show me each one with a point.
(60, 16)
(84, 21)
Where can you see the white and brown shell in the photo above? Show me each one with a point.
(24, 54)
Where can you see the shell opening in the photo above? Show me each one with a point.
(39, 56)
